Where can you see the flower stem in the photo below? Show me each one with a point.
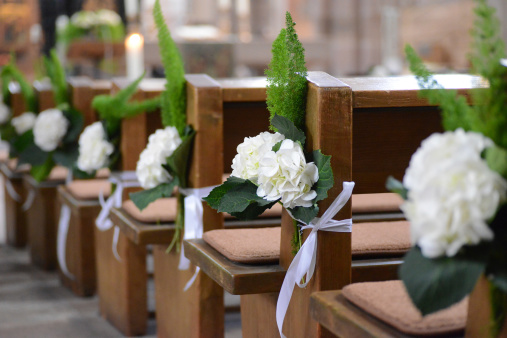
(179, 223)
(498, 309)
(296, 239)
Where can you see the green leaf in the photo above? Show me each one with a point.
(76, 121)
(326, 178)
(305, 215)
(435, 284)
(42, 171)
(8, 132)
(179, 160)
(143, 198)
(56, 74)
(288, 129)
(252, 211)
(67, 155)
(277, 146)
(216, 195)
(496, 158)
(237, 199)
(22, 142)
(82, 175)
(33, 155)
(397, 187)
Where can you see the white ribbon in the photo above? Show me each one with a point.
(11, 191)
(304, 263)
(63, 230)
(126, 179)
(193, 227)
(29, 200)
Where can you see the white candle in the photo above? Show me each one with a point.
(131, 8)
(134, 55)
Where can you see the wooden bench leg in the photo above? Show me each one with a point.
(258, 315)
(15, 219)
(42, 220)
(197, 312)
(122, 286)
(80, 251)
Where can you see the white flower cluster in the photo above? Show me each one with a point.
(5, 112)
(283, 174)
(49, 129)
(94, 149)
(161, 145)
(108, 18)
(89, 19)
(452, 193)
(23, 122)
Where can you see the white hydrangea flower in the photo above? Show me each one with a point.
(286, 175)
(5, 112)
(245, 164)
(84, 19)
(49, 129)
(94, 149)
(161, 145)
(452, 193)
(107, 17)
(24, 122)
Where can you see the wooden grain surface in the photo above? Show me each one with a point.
(344, 319)
(44, 93)
(17, 100)
(80, 244)
(81, 96)
(244, 89)
(15, 218)
(141, 234)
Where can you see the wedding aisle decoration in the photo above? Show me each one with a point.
(455, 187)
(273, 167)
(163, 165)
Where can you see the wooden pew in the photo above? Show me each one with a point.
(373, 112)
(80, 242)
(15, 222)
(122, 285)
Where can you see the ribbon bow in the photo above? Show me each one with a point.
(126, 179)
(193, 227)
(304, 262)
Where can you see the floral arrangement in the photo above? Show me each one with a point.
(163, 165)
(52, 138)
(99, 142)
(273, 167)
(104, 24)
(12, 129)
(455, 186)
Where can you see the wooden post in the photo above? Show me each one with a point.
(199, 311)
(81, 96)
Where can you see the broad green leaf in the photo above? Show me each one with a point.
(240, 197)
(397, 187)
(82, 175)
(22, 142)
(435, 284)
(67, 155)
(143, 198)
(277, 146)
(306, 215)
(252, 211)
(76, 121)
(288, 129)
(215, 196)
(179, 160)
(326, 178)
(33, 155)
(41, 172)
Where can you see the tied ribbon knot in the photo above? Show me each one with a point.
(303, 263)
(193, 227)
(122, 180)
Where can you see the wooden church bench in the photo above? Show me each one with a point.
(121, 285)
(15, 221)
(388, 122)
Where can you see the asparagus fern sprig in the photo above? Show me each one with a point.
(56, 74)
(287, 87)
(173, 99)
(12, 73)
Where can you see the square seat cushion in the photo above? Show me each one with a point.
(58, 173)
(89, 189)
(376, 203)
(390, 302)
(13, 163)
(4, 155)
(262, 246)
(162, 210)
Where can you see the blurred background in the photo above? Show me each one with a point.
(233, 37)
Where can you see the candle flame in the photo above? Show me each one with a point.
(134, 41)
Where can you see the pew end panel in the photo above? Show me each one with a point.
(15, 218)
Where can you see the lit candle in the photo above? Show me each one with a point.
(134, 54)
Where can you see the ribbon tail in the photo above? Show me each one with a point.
(103, 222)
(116, 237)
(282, 305)
(192, 280)
(11, 191)
(193, 226)
(29, 200)
(63, 230)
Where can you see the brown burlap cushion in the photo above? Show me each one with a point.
(389, 302)
(13, 163)
(160, 211)
(4, 155)
(58, 173)
(376, 203)
(263, 245)
(380, 238)
(256, 246)
(89, 189)
(103, 173)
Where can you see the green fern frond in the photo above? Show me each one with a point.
(56, 74)
(12, 73)
(455, 110)
(137, 107)
(5, 77)
(287, 84)
(174, 97)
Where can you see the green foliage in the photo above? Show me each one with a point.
(288, 129)
(174, 97)
(56, 74)
(177, 163)
(12, 73)
(393, 185)
(144, 197)
(287, 86)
